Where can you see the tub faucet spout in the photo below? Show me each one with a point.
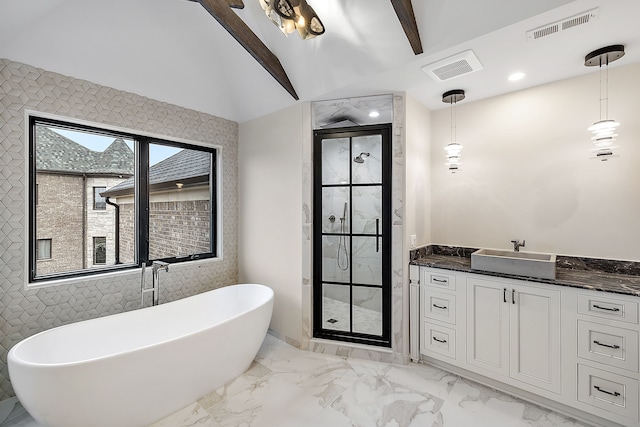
(156, 266)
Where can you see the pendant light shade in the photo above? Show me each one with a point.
(454, 148)
(604, 130)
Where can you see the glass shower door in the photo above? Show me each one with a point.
(352, 235)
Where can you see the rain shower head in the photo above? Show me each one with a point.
(361, 157)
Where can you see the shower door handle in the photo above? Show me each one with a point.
(377, 234)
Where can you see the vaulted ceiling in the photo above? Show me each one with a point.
(174, 51)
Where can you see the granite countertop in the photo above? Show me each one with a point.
(599, 275)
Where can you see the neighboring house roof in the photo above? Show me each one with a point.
(56, 153)
(190, 167)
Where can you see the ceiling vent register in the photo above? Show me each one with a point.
(563, 24)
(453, 66)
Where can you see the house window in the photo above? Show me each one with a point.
(99, 202)
(99, 250)
(164, 206)
(43, 249)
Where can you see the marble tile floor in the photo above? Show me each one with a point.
(286, 387)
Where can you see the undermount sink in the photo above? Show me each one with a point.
(529, 264)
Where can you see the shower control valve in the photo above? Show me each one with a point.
(332, 218)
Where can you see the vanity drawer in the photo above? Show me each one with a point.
(438, 279)
(438, 305)
(438, 339)
(608, 308)
(608, 391)
(609, 345)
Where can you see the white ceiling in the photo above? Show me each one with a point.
(174, 51)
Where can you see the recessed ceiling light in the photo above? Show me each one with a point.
(516, 76)
(374, 114)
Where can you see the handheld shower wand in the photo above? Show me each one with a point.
(342, 242)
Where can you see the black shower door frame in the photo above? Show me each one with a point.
(319, 331)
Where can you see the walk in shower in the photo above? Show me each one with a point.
(352, 234)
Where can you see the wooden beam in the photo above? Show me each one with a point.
(236, 4)
(404, 10)
(220, 10)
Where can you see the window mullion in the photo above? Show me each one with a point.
(142, 200)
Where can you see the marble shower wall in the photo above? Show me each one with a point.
(24, 311)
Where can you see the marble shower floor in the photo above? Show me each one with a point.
(286, 387)
(365, 321)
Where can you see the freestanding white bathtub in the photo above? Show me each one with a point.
(133, 368)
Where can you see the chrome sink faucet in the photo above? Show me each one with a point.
(517, 245)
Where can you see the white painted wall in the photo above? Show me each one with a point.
(527, 173)
(417, 194)
(270, 220)
(418, 176)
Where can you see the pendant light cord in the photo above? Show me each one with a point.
(453, 120)
(604, 100)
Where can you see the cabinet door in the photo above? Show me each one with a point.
(535, 336)
(487, 325)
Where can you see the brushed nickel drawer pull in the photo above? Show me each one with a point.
(605, 308)
(606, 345)
(439, 340)
(615, 393)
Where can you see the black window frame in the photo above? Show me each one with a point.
(95, 253)
(103, 202)
(141, 176)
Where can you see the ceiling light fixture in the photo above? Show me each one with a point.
(374, 114)
(604, 136)
(292, 15)
(516, 76)
(454, 148)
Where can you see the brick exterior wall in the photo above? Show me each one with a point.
(178, 228)
(127, 233)
(59, 218)
(100, 223)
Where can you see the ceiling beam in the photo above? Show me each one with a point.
(404, 10)
(236, 4)
(220, 10)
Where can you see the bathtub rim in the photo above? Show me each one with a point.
(11, 358)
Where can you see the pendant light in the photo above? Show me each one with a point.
(293, 15)
(604, 130)
(454, 148)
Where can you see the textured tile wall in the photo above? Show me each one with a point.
(24, 312)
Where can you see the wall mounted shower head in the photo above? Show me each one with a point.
(361, 157)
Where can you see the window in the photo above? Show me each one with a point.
(99, 202)
(99, 250)
(43, 249)
(163, 195)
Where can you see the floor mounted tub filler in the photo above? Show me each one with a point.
(133, 368)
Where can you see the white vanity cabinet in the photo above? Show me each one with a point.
(607, 355)
(442, 321)
(571, 349)
(514, 330)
